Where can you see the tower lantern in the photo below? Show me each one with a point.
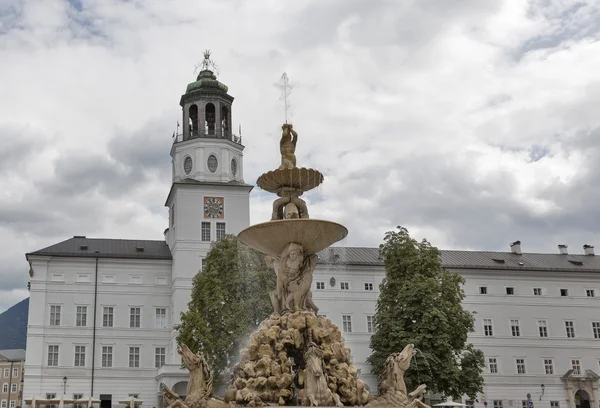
(207, 105)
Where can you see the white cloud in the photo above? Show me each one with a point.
(472, 123)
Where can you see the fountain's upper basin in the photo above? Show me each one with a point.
(273, 236)
(301, 179)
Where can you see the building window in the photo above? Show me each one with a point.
(537, 291)
(203, 264)
(55, 315)
(487, 327)
(13, 387)
(134, 357)
(523, 403)
(81, 316)
(75, 398)
(514, 328)
(107, 355)
(344, 285)
(320, 285)
(3, 404)
(564, 292)
(161, 318)
(5, 388)
(52, 356)
(493, 365)
(469, 404)
(159, 357)
(220, 230)
(590, 293)
(554, 404)
(6, 372)
(497, 403)
(368, 286)
(347, 323)
(543, 328)
(206, 231)
(12, 403)
(107, 316)
(596, 329)
(108, 279)
(135, 279)
(79, 356)
(369, 324)
(520, 365)
(15, 372)
(548, 366)
(135, 317)
(83, 277)
(483, 290)
(510, 290)
(576, 366)
(570, 329)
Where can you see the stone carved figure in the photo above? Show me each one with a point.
(294, 271)
(289, 195)
(287, 147)
(316, 391)
(392, 388)
(200, 384)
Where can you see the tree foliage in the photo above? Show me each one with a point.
(420, 303)
(230, 297)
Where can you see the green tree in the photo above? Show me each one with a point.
(230, 297)
(420, 303)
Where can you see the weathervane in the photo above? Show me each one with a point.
(286, 90)
(207, 64)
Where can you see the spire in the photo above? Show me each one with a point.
(207, 65)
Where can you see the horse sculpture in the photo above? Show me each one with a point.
(200, 384)
(392, 387)
(316, 392)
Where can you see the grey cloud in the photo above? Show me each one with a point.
(574, 22)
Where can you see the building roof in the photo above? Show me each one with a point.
(452, 259)
(13, 354)
(80, 246)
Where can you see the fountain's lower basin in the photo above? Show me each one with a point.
(273, 236)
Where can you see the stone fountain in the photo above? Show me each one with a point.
(295, 356)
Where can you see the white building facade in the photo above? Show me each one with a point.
(103, 312)
(537, 319)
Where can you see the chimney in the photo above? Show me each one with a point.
(563, 249)
(515, 247)
(588, 249)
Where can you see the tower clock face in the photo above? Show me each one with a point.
(214, 207)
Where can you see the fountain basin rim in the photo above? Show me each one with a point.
(300, 178)
(272, 237)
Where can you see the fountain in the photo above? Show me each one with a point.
(295, 356)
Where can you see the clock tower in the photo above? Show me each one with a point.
(208, 197)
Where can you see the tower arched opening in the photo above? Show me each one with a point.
(193, 122)
(225, 122)
(210, 115)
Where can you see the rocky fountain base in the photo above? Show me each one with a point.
(297, 351)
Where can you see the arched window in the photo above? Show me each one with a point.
(225, 131)
(210, 115)
(193, 125)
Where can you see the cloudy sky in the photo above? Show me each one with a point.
(472, 123)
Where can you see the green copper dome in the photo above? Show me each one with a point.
(206, 80)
